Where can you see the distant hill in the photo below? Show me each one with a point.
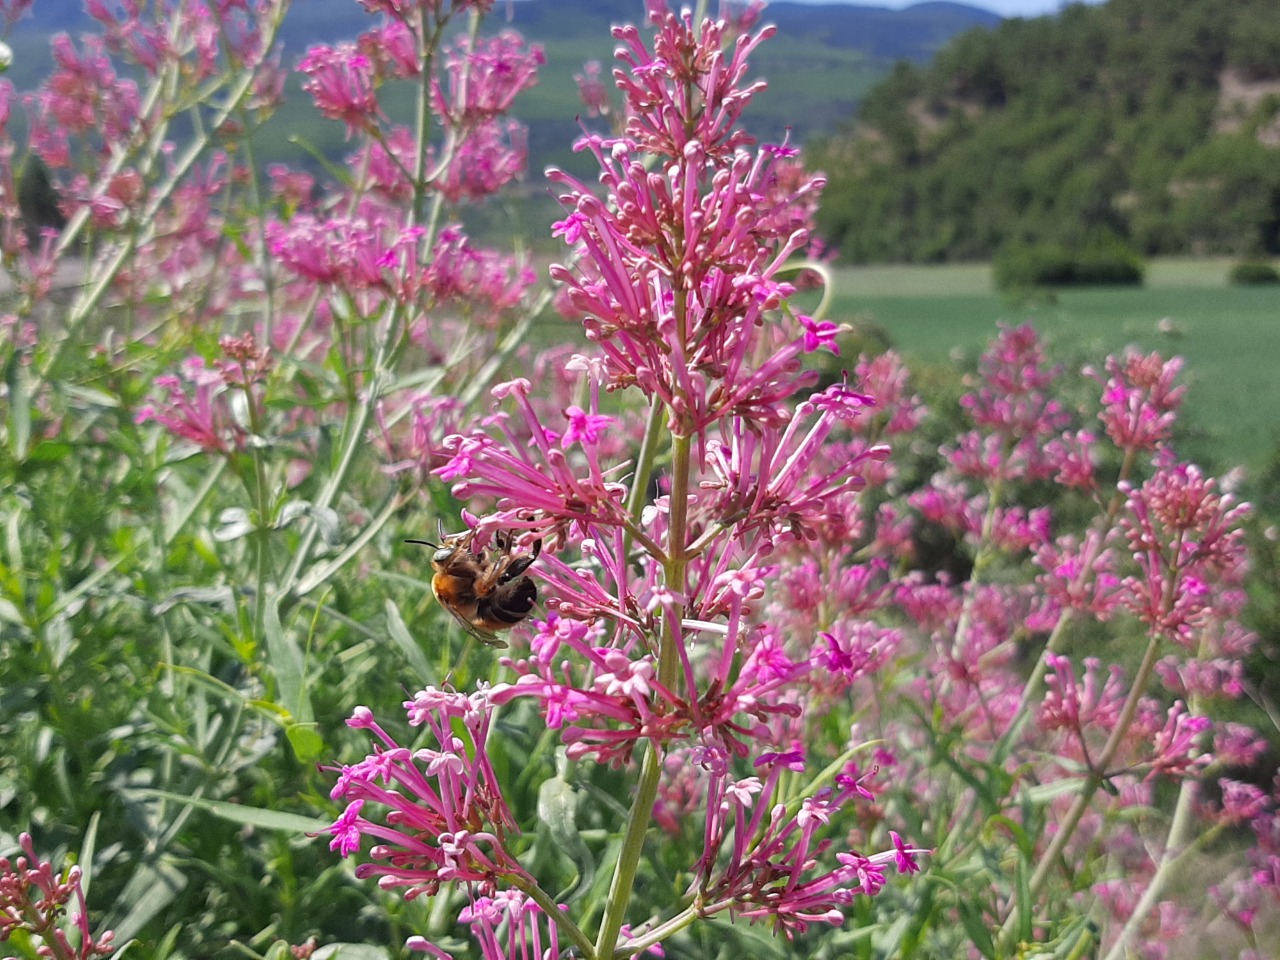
(1151, 122)
(823, 61)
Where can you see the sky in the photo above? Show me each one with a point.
(1007, 8)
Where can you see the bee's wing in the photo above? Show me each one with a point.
(488, 638)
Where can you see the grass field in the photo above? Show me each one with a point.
(1229, 336)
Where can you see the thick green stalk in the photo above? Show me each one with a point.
(1176, 846)
(1064, 619)
(624, 873)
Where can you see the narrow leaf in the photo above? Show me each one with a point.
(244, 815)
(398, 631)
(287, 664)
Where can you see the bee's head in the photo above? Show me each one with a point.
(442, 551)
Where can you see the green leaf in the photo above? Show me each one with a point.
(286, 662)
(50, 451)
(1024, 904)
(557, 809)
(86, 854)
(1042, 793)
(151, 889)
(975, 925)
(95, 398)
(351, 951)
(244, 815)
(19, 410)
(10, 613)
(400, 636)
(306, 742)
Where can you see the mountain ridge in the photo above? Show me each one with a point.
(1151, 123)
(820, 64)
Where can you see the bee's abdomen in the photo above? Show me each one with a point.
(511, 602)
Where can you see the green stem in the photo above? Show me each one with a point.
(353, 442)
(638, 495)
(1064, 619)
(557, 916)
(88, 302)
(262, 506)
(668, 671)
(624, 872)
(1091, 784)
(1176, 847)
(663, 931)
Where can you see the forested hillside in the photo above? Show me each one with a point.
(822, 63)
(1152, 122)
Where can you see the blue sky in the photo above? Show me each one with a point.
(1007, 8)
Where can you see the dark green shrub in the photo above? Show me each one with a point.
(1253, 271)
(1108, 261)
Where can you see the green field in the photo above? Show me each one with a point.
(1229, 336)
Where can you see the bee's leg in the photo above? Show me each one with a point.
(520, 564)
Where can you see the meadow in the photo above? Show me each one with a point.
(1229, 336)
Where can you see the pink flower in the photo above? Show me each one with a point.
(819, 333)
(764, 861)
(583, 427)
(492, 154)
(340, 80)
(592, 92)
(1140, 400)
(1184, 537)
(446, 819)
(33, 899)
(533, 483)
(485, 76)
(195, 408)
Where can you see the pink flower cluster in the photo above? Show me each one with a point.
(34, 899)
(447, 820)
(713, 603)
(658, 582)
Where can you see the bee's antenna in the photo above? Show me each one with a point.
(425, 543)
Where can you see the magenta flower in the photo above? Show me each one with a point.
(341, 82)
(534, 483)
(195, 407)
(819, 333)
(1140, 400)
(762, 860)
(1184, 536)
(484, 79)
(83, 97)
(494, 153)
(445, 817)
(592, 92)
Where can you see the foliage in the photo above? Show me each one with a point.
(1249, 272)
(1104, 262)
(1121, 119)
(801, 652)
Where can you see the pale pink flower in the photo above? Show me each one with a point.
(446, 819)
(33, 900)
(1140, 399)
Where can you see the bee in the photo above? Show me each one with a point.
(485, 592)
